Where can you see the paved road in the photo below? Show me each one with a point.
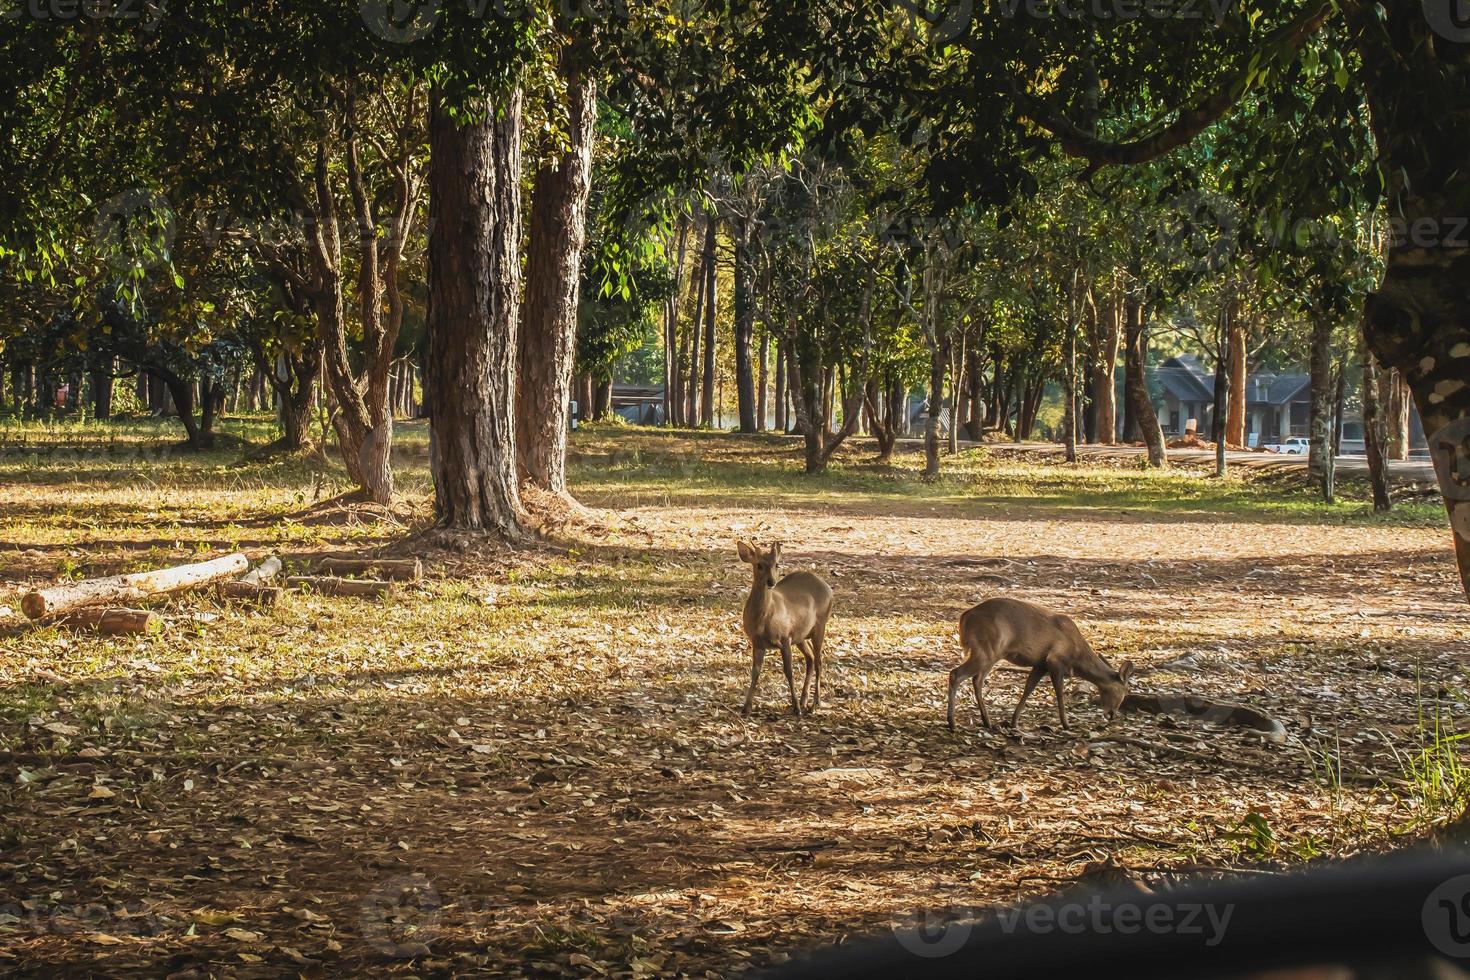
(1404, 471)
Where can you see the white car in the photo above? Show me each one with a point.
(1293, 446)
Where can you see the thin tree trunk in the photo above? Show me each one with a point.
(763, 381)
(548, 334)
(780, 391)
(472, 313)
(696, 331)
(1322, 390)
(711, 293)
(745, 394)
(938, 363)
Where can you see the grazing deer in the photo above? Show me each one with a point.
(1047, 642)
(784, 614)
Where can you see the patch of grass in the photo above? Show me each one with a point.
(1435, 774)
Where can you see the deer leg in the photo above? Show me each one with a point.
(757, 654)
(805, 646)
(970, 668)
(979, 684)
(790, 678)
(1058, 682)
(817, 657)
(1032, 680)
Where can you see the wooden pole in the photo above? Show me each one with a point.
(399, 570)
(114, 622)
(326, 585)
(47, 603)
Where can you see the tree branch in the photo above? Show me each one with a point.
(1191, 121)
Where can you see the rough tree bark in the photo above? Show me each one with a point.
(1321, 409)
(1395, 400)
(707, 391)
(780, 392)
(763, 380)
(548, 333)
(473, 308)
(1374, 431)
(1137, 385)
(1235, 373)
(744, 323)
(1417, 321)
(1103, 366)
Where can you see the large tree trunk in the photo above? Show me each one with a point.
(182, 393)
(1374, 434)
(1104, 367)
(1395, 400)
(1322, 388)
(293, 380)
(548, 336)
(1235, 371)
(1417, 321)
(1137, 385)
(472, 313)
(101, 390)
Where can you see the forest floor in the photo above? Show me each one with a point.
(532, 763)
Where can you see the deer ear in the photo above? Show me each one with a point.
(1125, 672)
(746, 552)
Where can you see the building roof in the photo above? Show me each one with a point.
(1184, 377)
(1275, 389)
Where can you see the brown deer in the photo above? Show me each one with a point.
(791, 612)
(1047, 642)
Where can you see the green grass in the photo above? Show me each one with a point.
(692, 467)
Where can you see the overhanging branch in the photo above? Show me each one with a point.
(1190, 121)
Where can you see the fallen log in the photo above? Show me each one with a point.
(113, 621)
(60, 599)
(253, 587)
(397, 569)
(262, 573)
(261, 595)
(327, 585)
(1206, 709)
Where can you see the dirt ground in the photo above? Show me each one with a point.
(533, 763)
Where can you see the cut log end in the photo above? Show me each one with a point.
(114, 622)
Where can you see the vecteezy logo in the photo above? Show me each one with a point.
(944, 21)
(134, 229)
(1450, 19)
(401, 916)
(1446, 917)
(400, 21)
(933, 934)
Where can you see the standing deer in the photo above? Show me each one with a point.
(1028, 635)
(783, 614)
